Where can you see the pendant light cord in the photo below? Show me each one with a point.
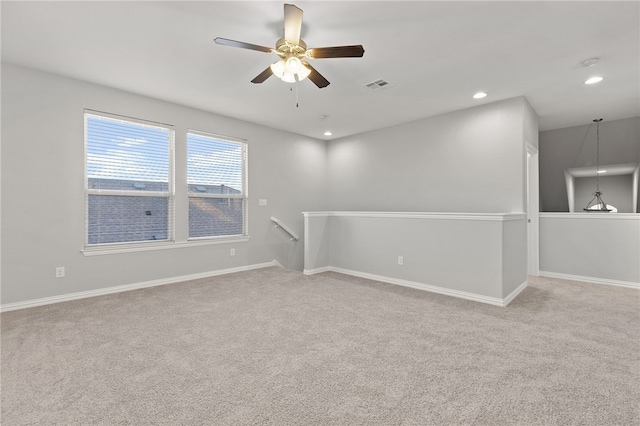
(597, 121)
(598, 155)
(597, 196)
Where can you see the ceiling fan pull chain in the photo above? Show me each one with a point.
(291, 90)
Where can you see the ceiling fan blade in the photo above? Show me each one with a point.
(242, 45)
(260, 78)
(292, 23)
(316, 77)
(355, 51)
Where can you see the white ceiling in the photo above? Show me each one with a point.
(435, 55)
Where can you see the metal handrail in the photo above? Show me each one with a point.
(285, 228)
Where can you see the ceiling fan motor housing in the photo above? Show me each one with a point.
(286, 49)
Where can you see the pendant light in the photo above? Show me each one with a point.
(596, 204)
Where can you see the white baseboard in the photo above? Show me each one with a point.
(317, 270)
(628, 284)
(514, 293)
(420, 286)
(128, 287)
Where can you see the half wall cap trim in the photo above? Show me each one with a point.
(591, 216)
(500, 217)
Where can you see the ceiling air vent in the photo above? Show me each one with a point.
(377, 84)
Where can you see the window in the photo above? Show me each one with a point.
(129, 186)
(216, 180)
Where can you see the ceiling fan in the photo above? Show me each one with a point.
(293, 52)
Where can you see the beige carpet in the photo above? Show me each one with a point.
(274, 347)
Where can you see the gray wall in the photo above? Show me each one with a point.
(471, 160)
(576, 147)
(43, 199)
(480, 255)
(616, 190)
(466, 161)
(596, 247)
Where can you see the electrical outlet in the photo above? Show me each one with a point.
(262, 202)
(400, 260)
(232, 252)
(60, 272)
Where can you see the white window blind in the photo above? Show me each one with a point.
(129, 187)
(216, 179)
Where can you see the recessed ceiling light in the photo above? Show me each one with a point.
(593, 80)
(601, 171)
(328, 133)
(479, 95)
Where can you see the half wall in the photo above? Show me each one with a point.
(476, 256)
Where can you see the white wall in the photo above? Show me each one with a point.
(43, 198)
(471, 160)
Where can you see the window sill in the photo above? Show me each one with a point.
(117, 249)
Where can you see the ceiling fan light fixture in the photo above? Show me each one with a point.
(293, 65)
(303, 72)
(287, 77)
(278, 68)
(286, 70)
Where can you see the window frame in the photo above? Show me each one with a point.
(243, 196)
(169, 194)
